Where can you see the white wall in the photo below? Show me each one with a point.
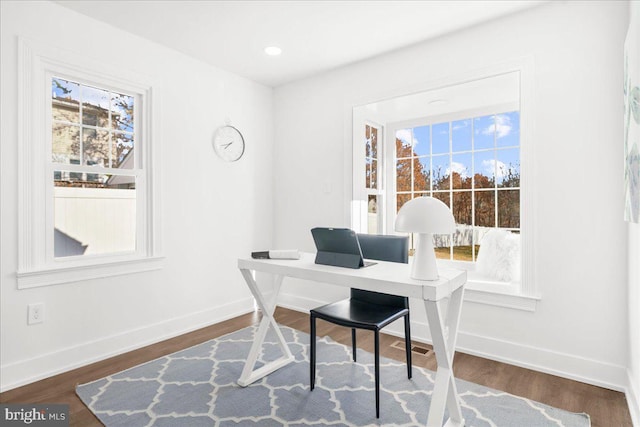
(633, 260)
(580, 327)
(212, 211)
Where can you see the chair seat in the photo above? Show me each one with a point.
(359, 314)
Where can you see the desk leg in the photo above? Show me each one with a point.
(444, 333)
(249, 375)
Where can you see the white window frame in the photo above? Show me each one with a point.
(390, 151)
(379, 191)
(526, 295)
(38, 63)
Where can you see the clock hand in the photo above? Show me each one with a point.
(225, 146)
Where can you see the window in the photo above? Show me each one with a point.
(464, 144)
(88, 208)
(373, 186)
(473, 166)
(94, 202)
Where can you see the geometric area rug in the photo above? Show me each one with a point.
(197, 387)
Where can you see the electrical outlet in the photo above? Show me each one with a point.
(35, 313)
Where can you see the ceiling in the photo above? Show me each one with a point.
(490, 93)
(315, 36)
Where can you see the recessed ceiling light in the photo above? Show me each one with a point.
(272, 50)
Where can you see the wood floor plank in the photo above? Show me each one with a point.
(606, 408)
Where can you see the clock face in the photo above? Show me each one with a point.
(228, 143)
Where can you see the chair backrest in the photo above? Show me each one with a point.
(383, 248)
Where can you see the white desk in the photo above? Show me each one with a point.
(387, 277)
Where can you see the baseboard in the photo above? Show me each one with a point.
(24, 372)
(633, 400)
(563, 365)
(551, 362)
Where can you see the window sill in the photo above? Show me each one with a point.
(56, 276)
(482, 290)
(479, 292)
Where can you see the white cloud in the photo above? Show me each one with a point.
(502, 126)
(407, 136)
(493, 167)
(404, 135)
(461, 124)
(459, 168)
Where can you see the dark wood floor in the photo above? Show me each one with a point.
(607, 408)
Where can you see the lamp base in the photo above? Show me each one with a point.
(424, 260)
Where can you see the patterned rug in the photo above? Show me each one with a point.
(197, 387)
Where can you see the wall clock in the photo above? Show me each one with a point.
(228, 143)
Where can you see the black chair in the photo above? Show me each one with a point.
(367, 309)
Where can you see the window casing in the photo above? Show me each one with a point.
(521, 294)
(78, 169)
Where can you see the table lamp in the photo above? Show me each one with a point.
(425, 216)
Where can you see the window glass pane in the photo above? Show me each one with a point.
(94, 219)
(95, 107)
(403, 175)
(401, 199)
(461, 135)
(509, 208)
(403, 143)
(122, 156)
(373, 177)
(122, 112)
(484, 164)
(442, 242)
(483, 132)
(461, 171)
(65, 143)
(440, 138)
(441, 168)
(442, 246)
(508, 167)
(462, 207)
(65, 100)
(374, 142)
(95, 147)
(421, 141)
(462, 244)
(508, 129)
(367, 141)
(372, 215)
(421, 175)
(485, 209)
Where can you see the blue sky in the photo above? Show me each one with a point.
(489, 162)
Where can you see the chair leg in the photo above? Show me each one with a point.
(377, 372)
(407, 343)
(312, 353)
(353, 343)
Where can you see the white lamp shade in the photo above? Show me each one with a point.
(425, 215)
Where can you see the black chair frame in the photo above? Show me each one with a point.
(368, 310)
